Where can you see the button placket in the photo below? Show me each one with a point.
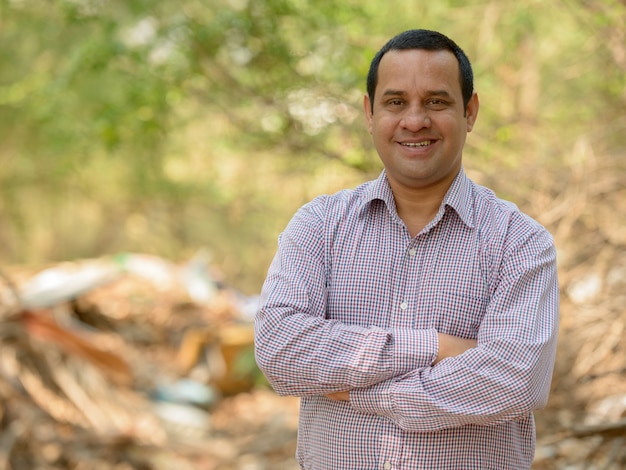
(411, 252)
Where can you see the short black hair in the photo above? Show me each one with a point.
(428, 40)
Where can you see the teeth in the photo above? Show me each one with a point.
(417, 144)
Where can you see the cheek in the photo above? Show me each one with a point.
(456, 129)
(381, 128)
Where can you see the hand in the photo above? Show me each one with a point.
(339, 396)
(450, 346)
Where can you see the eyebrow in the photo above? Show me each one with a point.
(392, 92)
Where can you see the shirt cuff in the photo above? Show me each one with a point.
(413, 349)
(373, 400)
(410, 350)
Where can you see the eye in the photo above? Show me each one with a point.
(437, 103)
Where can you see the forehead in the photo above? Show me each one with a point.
(416, 69)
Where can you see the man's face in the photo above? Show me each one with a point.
(418, 122)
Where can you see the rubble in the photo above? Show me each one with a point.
(135, 362)
(128, 362)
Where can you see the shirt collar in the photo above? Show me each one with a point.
(458, 197)
(380, 189)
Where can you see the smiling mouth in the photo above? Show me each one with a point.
(416, 145)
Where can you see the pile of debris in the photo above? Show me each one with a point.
(133, 362)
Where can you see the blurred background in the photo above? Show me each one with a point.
(152, 151)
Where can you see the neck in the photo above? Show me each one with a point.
(418, 206)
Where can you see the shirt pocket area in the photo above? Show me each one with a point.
(458, 314)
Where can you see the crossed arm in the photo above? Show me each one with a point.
(423, 380)
(449, 346)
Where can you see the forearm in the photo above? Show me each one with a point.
(451, 346)
(460, 391)
(304, 355)
(448, 346)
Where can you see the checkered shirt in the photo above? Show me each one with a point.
(353, 302)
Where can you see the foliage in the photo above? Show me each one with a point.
(165, 126)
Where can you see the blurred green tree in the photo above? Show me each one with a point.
(166, 126)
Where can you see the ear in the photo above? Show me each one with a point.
(367, 108)
(472, 111)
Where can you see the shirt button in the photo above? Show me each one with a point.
(412, 252)
(387, 466)
(404, 306)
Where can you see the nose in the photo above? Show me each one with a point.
(415, 118)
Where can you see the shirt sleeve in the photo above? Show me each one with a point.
(300, 351)
(506, 376)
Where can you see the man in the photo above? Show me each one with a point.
(417, 314)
